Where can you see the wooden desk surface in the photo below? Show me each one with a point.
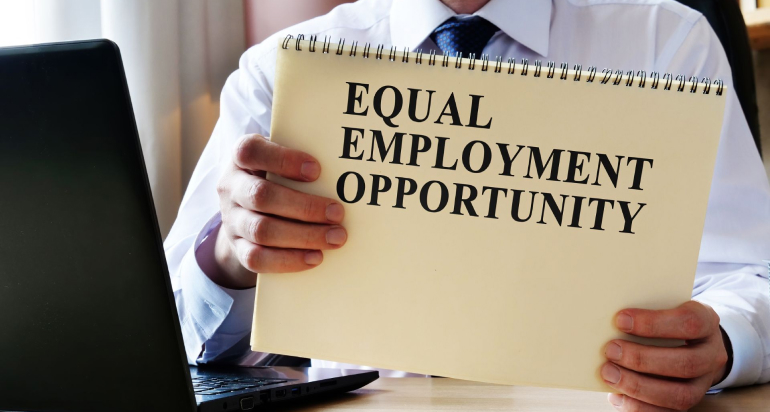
(424, 394)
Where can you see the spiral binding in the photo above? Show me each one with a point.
(607, 76)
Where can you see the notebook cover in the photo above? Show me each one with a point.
(478, 297)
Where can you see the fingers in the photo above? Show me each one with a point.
(688, 362)
(689, 321)
(672, 394)
(254, 152)
(270, 244)
(261, 195)
(262, 259)
(276, 232)
(627, 404)
(658, 378)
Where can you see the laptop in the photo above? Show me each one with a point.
(88, 320)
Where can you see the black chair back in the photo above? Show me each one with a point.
(727, 21)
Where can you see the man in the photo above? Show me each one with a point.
(234, 224)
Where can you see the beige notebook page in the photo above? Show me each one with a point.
(477, 298)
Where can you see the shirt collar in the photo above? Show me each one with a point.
(526, 21)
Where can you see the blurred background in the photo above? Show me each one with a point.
(178, 54)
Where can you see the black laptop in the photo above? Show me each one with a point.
(87, 316)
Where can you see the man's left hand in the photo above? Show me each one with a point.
(653, 379)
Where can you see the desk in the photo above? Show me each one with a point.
(424, 394)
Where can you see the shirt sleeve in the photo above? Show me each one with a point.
(215, 319)
(731, 277)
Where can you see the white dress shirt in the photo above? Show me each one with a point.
(651, 35)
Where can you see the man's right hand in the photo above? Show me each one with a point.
(267, 227)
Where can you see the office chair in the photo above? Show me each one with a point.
(727, 21)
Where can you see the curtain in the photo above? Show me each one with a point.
(177, 55)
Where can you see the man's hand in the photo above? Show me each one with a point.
(652, 379)
(267, 227)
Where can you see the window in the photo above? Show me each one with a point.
(17, 22)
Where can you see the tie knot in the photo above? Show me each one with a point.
(467, 36)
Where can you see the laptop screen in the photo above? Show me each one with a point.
(86, 310)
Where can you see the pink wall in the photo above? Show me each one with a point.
(265, 17)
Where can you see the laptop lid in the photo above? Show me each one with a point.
(87, 317)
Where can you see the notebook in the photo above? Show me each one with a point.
(499, 212)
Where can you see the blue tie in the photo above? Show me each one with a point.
(468, 35)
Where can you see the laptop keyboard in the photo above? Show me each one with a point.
(219, 385)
